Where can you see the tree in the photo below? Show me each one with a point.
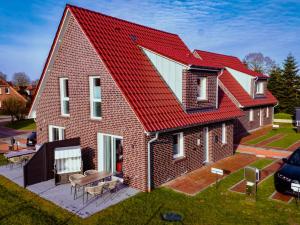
(21, 79)
(289, 98)
(3, 75)
(14, 107)
(259, 63)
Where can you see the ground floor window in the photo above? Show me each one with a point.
(267, 112)
(178, 145)
(224, 134)
(56, 133)
(251, 115)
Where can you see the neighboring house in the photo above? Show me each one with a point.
(143, 105)
(7, 91)
(247, 89)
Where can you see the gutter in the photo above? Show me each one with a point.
(149, 160)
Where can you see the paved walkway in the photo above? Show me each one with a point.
(256, 134)
(263, 152)
(197, 180)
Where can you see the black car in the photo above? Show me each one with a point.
(288, 173)
(31, 139)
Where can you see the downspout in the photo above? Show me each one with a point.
(149, 160)
(217, 91)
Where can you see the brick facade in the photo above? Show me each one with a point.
(243, 124)
(77, 60)
(189, 90)
(165, 168)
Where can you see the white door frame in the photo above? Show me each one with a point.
(206, 144)
(100, 150)
(260, 117)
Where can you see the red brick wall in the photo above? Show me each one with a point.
(165, 168)
(243, 125)
(77, 60)
(189, 90)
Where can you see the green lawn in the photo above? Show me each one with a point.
(212, 206)
(22, 125)
(283, 116)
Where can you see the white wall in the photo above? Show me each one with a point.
(243, 78)
(170, 70)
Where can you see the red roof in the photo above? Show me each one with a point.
(118, 44)
(228, 61)
(241, 95)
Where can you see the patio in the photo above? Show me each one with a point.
(61, 196)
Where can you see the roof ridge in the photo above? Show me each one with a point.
(123, 20)
(217, 53)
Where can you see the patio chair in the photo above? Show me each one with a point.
(95, 190)
(90, 172)
(72, 178)
(112, 185)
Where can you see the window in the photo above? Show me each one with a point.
(259, 87)
(95, 97)
(0, 91)
(0, 104)
(64, 96)
(202, 88)
(224, 134)
(56, 133)
(178, 145)
(251, 115)
(267, 112)
(7, 91)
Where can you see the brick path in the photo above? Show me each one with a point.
(266, 172)
(196, 181)
(271, 153)
(281, 197)
(255, 134)
(294, 146)
(270, 140)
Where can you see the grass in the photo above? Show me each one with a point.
(22, 125)
(283, 116)
(212, 206)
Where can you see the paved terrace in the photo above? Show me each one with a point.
(61, 196)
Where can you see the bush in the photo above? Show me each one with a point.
(15, 108)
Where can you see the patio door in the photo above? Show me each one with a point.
(110, 153)
(206, 144)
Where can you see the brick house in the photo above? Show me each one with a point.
(143, 105)
(7, 91)
(247, 89)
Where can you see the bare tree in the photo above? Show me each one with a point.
(21, 79)
(259, 63)
(3, 75)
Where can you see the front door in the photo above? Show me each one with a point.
(206, 144)
(110, 153)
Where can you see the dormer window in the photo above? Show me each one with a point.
(202, 88)
(260, 87)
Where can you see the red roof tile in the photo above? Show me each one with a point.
(241, 95)
(227, 61)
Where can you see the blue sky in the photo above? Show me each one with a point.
(27, 28)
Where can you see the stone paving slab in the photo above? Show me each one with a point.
(197, 180)
(61, 196)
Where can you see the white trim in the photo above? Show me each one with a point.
(8, 90)
(224, 133)
(260, 117)
(267, 112)
(206, 147)
(61, 132)
(180, 145)
(0, 90)
(251, 115)
(259, 87)
(63, 97)
(92, 99)
(203, 87)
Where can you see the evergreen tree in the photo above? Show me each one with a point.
(275, 84)
(289, 99)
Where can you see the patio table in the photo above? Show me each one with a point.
(12, 154)
(84, 181)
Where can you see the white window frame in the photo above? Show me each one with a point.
(267, 112)
(200, 87)
(63, 98)
(224, 133)
(180, 145)
(8, 90)
(0, 104)
(251, 115)
(61, 132)
(259, 87)
(92, 99)
(0, 90)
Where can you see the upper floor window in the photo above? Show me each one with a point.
(7, 91)
(178, 145)
(251, 115)
(259, 87)
(224, 134)
(64, 96)
(202, 88)
(95, 97)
